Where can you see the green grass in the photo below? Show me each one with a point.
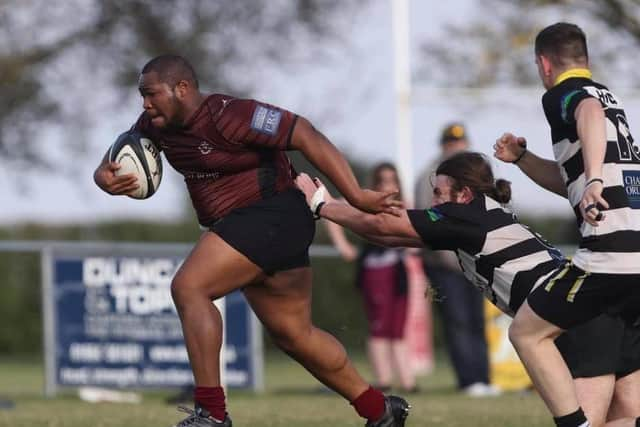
(292, 399)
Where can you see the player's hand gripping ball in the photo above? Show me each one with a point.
(138, 155)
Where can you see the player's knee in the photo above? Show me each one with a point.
(186, 286)
(517, 334)
(285, 343)
(290, 339)
(625, 403)
(180, 291)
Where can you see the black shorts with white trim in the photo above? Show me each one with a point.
(572, 296)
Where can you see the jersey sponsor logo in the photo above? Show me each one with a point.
(266, 120)
(434, 215)
(205, 148)
(201, 175)
(631, 180)
(565, 101)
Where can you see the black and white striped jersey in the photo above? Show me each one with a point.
(613, 246)
(500, 256)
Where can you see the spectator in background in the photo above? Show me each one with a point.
(461, 304)
(6, 403)
(383, 281)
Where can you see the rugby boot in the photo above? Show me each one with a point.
(200, 417)
(396, 411)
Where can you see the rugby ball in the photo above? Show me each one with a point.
(138, 155)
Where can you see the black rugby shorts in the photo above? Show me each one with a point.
(571, 296)
(602, 346)
(274, 233)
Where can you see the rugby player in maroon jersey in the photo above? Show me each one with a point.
(231, 153)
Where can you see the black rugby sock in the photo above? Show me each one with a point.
(575, 419)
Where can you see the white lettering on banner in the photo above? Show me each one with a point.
(85, 352)
(142, 299)
(178, 353)
(74, 376)
(121, 295)
(95, 302)
(100, 272)
(121, 377)
(138, 286)
(93, 272)
(230, 354)
(88, 352)
(123, 353)
(236, 377)
(179, 377)
(166, 353)
(133, 328)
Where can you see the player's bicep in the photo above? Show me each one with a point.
(588, 109)
(304, 135)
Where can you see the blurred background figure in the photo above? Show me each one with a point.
(6, 403)
(418, 333)
(383, 279)
(460, 304)
(506, 371)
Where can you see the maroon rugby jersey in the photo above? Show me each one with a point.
(229, 152)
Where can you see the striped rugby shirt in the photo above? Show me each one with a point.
(500, 256)
(613, 246)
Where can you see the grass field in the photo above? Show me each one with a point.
(291, 399)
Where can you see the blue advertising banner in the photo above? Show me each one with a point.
(115, 325)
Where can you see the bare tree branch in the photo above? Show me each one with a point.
(51, 52)
(497, 47)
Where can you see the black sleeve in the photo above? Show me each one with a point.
(440, 232)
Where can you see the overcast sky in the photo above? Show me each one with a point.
(350, 98)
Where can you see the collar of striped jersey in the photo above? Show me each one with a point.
(584, 73)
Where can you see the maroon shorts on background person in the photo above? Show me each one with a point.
(385, 307)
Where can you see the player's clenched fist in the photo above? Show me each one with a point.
(509, 148)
